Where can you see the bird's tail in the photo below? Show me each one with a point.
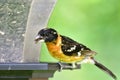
(105, 69)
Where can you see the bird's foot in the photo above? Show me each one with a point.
(61, 66)
(70, 66)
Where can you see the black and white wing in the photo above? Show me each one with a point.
(71, 47)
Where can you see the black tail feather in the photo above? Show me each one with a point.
(102, 67)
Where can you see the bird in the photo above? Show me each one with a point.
(67, 50)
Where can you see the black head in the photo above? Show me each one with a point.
(47, 34)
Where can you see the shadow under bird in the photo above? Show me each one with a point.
(66, 50)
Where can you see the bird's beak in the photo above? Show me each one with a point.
(38, 38)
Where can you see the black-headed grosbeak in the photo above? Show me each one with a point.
(67, 50)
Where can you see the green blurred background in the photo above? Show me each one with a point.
(95, 23)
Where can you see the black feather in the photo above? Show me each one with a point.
(68, 44)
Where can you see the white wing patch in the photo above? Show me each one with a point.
(72, 48)
(82, 49)
(79, 53)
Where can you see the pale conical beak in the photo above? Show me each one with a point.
(38, 38)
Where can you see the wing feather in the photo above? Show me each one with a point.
(71, 47)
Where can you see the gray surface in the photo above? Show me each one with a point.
(23, 66)
(13, 18)
(38, 18)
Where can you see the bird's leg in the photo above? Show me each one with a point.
(71, 66)
(67, 66)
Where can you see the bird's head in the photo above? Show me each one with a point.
(47, 35)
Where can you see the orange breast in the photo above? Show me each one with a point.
(55, 51)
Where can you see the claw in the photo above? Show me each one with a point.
(60, 66)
